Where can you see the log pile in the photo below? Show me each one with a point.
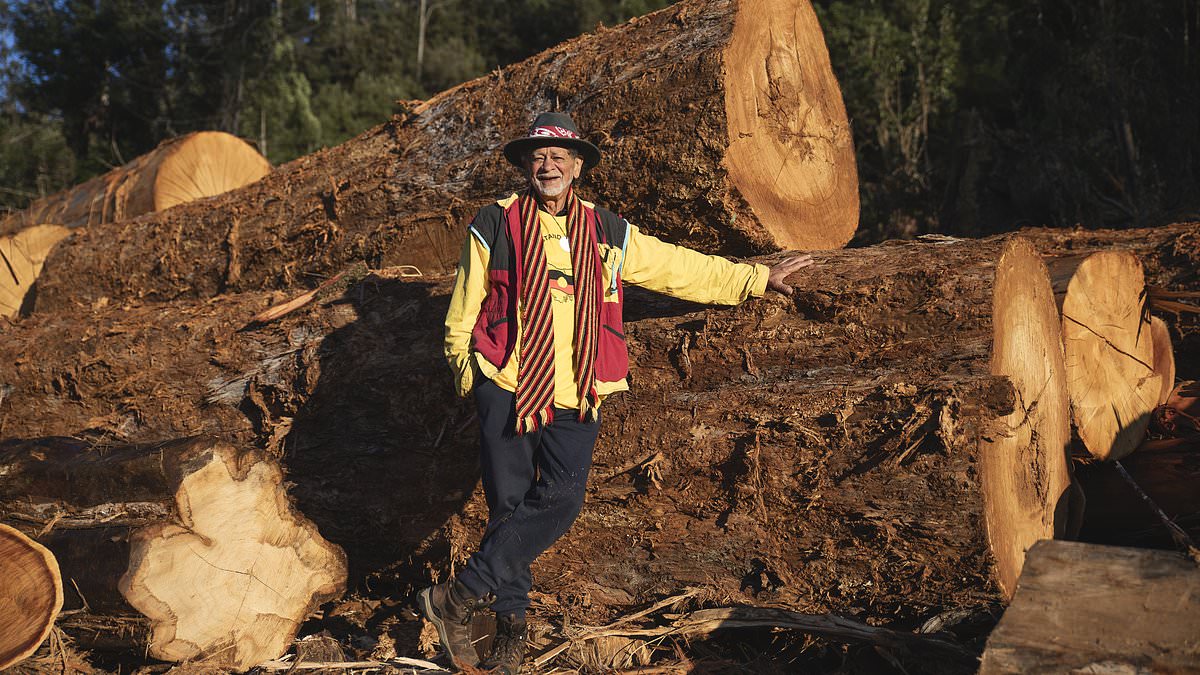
(885, 444)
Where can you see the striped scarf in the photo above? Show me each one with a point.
(535, 374)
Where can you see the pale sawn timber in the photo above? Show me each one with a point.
(31, 594)
(1089, 608)
(194, 543)
(1108, 348)
(721, 123)
(1026, 471)
(179, 170)
(1164, 358)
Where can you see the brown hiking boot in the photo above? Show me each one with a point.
(449, 607)
(508, 647)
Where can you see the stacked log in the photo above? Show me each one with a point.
(721, 123)
(188, 550)
(1109, 350)
(1088, 608)
(179, 170)
(21, 257)
(31, 596)
(1026, 472)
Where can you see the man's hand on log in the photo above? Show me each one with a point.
(784, 268)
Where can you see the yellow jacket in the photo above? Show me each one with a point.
(644, 261)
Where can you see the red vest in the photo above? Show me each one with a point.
(495, 332)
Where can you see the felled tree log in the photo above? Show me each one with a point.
(1086, 608)
(31, 594)
(195, 536)
(1026, 475)
(21, 257)
(721, 123)
(1109, 350)
(179, 170)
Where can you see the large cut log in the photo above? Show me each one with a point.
(1025, 467)
(819, 451)
(31, 594)
(1082, 608)
(179, 170)
(721, 123)
(1109, 350)
(194, 543)
(21, 257)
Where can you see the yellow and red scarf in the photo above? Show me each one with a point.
(535, 374)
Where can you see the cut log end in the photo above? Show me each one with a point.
(254, 569)
(1109, 352)
(790, 154)
(205, 164)
(21, 258)
(1164, 358)
(30, 597)
(1024, 469)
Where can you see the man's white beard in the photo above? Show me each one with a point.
(560, 186)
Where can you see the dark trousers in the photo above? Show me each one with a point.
(534, 485)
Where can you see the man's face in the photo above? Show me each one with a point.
(551, 170)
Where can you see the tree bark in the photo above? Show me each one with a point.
(31, 594)
(1109, 349)
(195, 536)
(1082, 607)
(179, 170)
(721, 124)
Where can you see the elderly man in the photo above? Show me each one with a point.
(534, 331)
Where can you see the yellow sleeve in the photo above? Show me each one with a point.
(689, 275)
(470, 288)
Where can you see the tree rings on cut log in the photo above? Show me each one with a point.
(1109, 351)
(1024, 469)
(1164, 358)
(30, 595)
(179, 170)
(790, 152)
(21, 258)
(233, 578)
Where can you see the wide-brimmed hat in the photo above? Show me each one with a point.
(552, 128)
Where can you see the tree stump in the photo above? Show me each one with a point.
(721, 123)
(1109, 350)
(31, 594)
(196, 536)
(179, 170)
(1025, 467)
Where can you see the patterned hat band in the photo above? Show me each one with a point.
(552, 132)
